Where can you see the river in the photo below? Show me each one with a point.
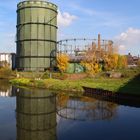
(38, 114)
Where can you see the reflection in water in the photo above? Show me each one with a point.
(126, 100)
(84, 108)
(5, 89)
(36, 115)
(6, 93)
(36, 111)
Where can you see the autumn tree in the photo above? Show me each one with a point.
(4, 64)
(90, 63)
(62, 62)
(122, 62)
(110, 62)
(114, 61)
(5, 71)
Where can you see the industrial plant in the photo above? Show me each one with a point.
(37, 44)
(36, 40)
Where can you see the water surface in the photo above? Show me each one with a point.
(34, 114)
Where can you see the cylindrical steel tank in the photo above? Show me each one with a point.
(36, 115)
(36, 35)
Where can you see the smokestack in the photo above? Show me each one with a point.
(99, 42)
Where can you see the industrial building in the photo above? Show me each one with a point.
(79, 49)
(37, 44)
(9, 58)
(36, 35)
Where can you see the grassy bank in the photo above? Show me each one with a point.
(128, 84)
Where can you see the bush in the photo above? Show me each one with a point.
(22, 82)
(40, 83)
(46, 75)
(5, 73)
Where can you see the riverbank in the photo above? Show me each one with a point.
(128, 84)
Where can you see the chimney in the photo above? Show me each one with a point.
(99, 42)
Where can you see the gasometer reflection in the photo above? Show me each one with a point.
(38, 112)
(35, 114)
(84, 108)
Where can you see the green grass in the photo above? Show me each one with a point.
(128, 84)
(54, 84)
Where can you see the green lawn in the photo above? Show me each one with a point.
(129, 84)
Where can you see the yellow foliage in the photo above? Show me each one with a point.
(62, 62)
(110, 61)
(114, 61)
(122, 62)
(91, 64)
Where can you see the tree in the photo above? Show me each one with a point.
(110, 61)
(5, 71)
(122, 62)
(4, 64)
(114, 61)
(90, 63)
(62, 62)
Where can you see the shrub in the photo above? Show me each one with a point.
(62, 62)
(46, 75)
(5, 72)
(40, 83)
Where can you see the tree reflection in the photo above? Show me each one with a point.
(5, 89)
(36, 115)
